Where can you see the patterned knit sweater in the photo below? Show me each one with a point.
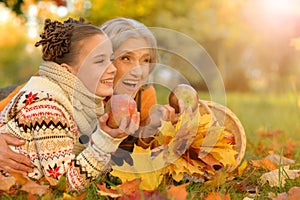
(42, 115)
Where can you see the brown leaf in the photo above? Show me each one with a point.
(276, 179)
(34, 188)
(217, 196)
(293, 194)
(277, 160)
(6, 183)
(177, 192)
(210, 160)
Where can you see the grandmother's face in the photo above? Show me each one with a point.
(132, 60)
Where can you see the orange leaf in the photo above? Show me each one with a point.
(19, 178)
(217, 196)
(130, 187)
(177, 192)
(264, 163)
(34, 188)
(6, 183)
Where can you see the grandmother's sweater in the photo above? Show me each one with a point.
(40, 116)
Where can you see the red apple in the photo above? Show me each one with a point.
(187, 94)
(118, 107)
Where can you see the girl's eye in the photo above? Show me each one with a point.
(100, 61)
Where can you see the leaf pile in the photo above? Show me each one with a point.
(193, 148)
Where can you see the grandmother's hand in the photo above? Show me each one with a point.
(11, 161)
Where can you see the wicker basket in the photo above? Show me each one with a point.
(225, 117)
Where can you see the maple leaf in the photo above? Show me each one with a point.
(6, 183)
(144, 167)
(177, 192)
(276, 179)
(186, 130)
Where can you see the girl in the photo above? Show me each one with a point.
(56, 111)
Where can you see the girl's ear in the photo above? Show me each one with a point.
(68, 68)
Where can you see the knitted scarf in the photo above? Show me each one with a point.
(86, 106)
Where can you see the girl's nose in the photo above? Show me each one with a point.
(111, 68)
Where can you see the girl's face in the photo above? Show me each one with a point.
(95, 68)
(132, 60)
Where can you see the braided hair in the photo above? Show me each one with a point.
(59, 40)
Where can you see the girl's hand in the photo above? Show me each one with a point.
(124, 129)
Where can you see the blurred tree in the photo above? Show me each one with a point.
(244, 43)
(15, 5)
(18, 57)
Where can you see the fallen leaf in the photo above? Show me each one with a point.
(34, 188)
(279, 160)
(177, 192)
(264, 164)
(292, 194)
(129, 187)
(217, 196)
(104, 191)
(145, 168)
(273, 177)
(67, 196)
(6, 183)
(242, 167)
(21, 179)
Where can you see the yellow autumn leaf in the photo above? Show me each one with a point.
(242, 167)
(146, 168)
(167, 128)
(204, 122)
(225, 155)
(213, 135)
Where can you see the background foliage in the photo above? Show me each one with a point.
(251, 41)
